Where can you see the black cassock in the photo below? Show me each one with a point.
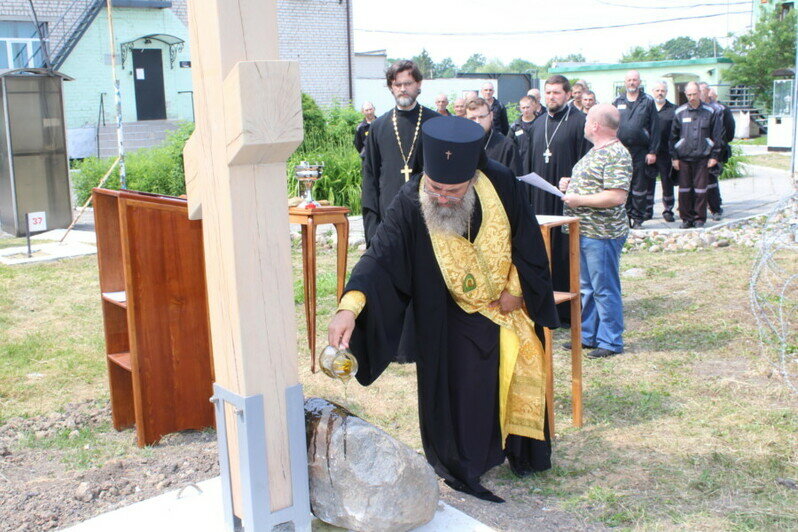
(521, 134)
(383, 162)
(457, 354)
(566, 146)
(502, 149)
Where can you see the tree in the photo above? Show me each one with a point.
(756, 54)
(521, 65)
(473, 63)
(676, 48)
(425, 64)
(446, 68)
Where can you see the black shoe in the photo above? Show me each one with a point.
(480, 493)
(648, 217)
(567, 346)
(668, 216)
(698, 223)
(686, 225)
(636, 224)
(600, 352)
(717, 216)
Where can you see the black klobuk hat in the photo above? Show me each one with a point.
(453, 148)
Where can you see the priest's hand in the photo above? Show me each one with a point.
(340, 330)
(564, 181)
(712, 162)
(675, 164)
(507, 302)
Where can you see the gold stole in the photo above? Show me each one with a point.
(475, 275)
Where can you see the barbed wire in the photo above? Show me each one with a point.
(773, 290)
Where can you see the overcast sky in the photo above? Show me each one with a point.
(425, 18)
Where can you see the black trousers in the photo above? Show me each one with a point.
(668, 179)
(636, 201)
(693, 179)
(714, 200)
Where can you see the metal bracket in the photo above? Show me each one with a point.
(253, 462)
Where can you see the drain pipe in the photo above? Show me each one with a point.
(349, 49)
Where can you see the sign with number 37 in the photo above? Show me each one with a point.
(37, 221)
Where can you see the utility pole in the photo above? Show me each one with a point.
(120, 145)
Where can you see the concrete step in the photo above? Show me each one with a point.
(137, 135)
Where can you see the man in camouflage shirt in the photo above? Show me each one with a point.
(596, 193)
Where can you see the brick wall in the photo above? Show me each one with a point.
(313, 32)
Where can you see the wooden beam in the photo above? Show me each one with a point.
(248, 121)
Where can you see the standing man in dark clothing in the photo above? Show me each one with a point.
(362, 131)
(500, 122)
(558, 142)
(442, 105)
(393, 146)
(714, 201)
(696, 143)
(638, 132)
(521, 133)
(662, 166)
(497, 146)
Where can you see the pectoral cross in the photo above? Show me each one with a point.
(406, 171)
(448, 154)
(547, 155)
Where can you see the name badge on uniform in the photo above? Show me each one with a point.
(519, 132)
(621, 107)
(687, 119)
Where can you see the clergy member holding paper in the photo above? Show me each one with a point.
(462, 249)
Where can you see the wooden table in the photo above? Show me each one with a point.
(573, 295)
(309, 219)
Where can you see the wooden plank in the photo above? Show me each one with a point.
(122, 360)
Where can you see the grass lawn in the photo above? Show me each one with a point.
(773, 160)
(689, 429)
(758, 141)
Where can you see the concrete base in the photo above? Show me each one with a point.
(200, 510)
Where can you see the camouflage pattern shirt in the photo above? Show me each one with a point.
(601, 169)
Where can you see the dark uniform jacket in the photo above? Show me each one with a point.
(665, 123)
(500, 122)
(361, 133)
(639, 122)
(727, 121)
(521, 135)
(696, 134)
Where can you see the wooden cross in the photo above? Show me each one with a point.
(248, 121)
(406, 171)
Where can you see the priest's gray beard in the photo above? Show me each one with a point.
(450, 218)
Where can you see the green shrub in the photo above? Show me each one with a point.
(735, 166)
(332, 145)
(158, 170)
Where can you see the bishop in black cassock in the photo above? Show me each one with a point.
(453, 280)
(383, 161)
(558, 142)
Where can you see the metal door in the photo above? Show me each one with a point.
(148, 81)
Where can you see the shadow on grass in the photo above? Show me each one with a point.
(655, 306)
(690, 335)
(626, 404)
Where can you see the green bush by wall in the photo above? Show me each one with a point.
(329, 137)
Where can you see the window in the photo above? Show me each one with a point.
(20, 45)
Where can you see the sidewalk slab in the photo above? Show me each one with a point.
(199, 509)
(45, 252)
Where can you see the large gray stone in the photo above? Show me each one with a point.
(360, 477)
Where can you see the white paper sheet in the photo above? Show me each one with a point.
(537, 181)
